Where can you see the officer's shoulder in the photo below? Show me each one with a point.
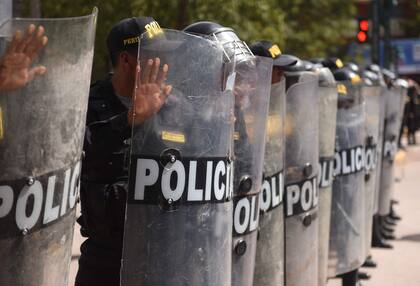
(100, 88)
(99, 98)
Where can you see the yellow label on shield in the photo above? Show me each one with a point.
(173, 137)
(1, 124)
(236, 135)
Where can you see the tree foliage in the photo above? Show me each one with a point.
(411, 23)
(306, 28)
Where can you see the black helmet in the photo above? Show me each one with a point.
(389, 77)
(377, 71)
(265, 48)
(233, 46)
(370, 78)
(374, 68)
(309, 66)
(297, 67)
(354, 67)
(346, 74)
(325, 76)
(332, 63)
(204, 28)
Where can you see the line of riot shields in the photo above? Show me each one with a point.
(271, 183)
(235, 181)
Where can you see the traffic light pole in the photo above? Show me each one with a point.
(375, 30)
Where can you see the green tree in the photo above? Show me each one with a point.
(317, 28)
(306, 28)
(411, 23)
(110, 12)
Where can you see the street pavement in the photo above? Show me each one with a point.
(77, 241)
(397, 267)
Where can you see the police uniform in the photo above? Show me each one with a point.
(103, 186)
(104, 176)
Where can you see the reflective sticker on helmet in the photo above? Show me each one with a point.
(173, 136)
(274, 51)
(341, 88)
(339, 63)
(153, 29)
(1, 124)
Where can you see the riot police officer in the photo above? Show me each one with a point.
(377, 238)
(346, 253)
(179, 209)
(108, 131)
(327, 125)
(251, 91)
(269, 261)
(301, 187)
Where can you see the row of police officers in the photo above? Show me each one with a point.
(204, 161)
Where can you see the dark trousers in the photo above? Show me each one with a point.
(350, 278)
(99, 264)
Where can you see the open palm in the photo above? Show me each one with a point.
(16, 69)
(150, 92)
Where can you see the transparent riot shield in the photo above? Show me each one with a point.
(178, 227)
(347, 227)
(390, 148)
(41, 137)
(301, 187)
(252, 93)
(401, 88)
(382, 104)
(269, 263)
(372, 95)
(327, 124)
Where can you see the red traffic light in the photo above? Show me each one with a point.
(364, 25)
(362, 37)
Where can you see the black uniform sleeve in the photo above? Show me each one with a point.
(103, 136)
